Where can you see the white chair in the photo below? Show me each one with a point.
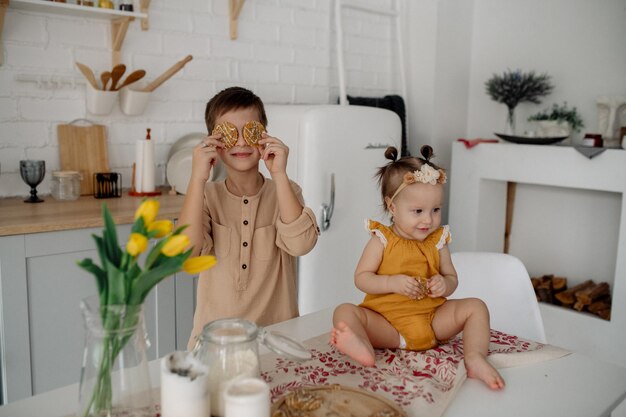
(502, 282)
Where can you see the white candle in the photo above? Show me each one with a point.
(247, 397)
(184, 387)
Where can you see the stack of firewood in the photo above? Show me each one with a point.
(587, 296)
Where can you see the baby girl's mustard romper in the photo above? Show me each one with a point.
(412, 318)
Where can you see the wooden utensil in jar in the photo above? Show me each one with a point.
(132, 77)
(167, 74)
(116, 74)
(105, 77)
(88, 74)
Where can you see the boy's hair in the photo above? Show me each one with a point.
(391, 176)
(232, 98)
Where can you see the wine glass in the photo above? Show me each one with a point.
(32, 173)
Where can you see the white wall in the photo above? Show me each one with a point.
(580, 43)
(285, 53)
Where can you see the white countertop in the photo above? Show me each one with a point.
(574, 385)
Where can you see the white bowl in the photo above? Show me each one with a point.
(178, 170)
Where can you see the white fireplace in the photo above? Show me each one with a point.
(477, 215)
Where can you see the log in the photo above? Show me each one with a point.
(601, 304)
(544, 292)
(559, 284)
(567, 297)
(605, 314)
(590, 294)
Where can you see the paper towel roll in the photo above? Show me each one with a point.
(147, 185)
(139, 165)
(184, 387)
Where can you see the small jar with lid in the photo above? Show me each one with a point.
(65, 185)
(229, 347)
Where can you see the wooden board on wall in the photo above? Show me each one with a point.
(83, 149)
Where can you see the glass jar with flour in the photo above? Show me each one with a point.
(230, 348)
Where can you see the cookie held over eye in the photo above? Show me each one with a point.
(229, 133)
(252, 132)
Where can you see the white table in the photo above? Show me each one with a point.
(573, 386)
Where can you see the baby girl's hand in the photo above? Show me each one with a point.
(437, 286)
(405, 285)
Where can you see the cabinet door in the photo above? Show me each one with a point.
(49, 292)
(186, 286)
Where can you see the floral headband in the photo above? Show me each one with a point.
(426, 175)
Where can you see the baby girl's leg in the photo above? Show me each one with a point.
(356, 328)
(471, 316)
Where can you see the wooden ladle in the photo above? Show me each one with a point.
(132, 77)
(105, 77)
(88, 73)
(116, 74)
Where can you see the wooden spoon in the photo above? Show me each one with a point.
(116, 74)
(132, 77)
(88, 73)
(105, 77)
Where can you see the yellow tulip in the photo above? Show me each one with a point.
(175, 245)
(148, 210)
(136, 244)
(163, 228)
(198, 264)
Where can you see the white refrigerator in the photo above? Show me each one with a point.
(343, 145)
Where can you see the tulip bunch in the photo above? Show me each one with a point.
(121, 281)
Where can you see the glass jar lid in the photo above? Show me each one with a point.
(284, 345)
(227, 331)
(65, 174)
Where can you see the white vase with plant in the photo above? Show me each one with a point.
(558, 121)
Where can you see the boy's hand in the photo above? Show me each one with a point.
(405, 285)
(274, 152)
(437, 286)
(204, 157)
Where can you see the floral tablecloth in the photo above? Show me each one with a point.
(422, 383)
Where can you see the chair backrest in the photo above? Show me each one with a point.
(502, 282)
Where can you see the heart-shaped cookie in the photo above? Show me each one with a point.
(252, 132)
(229, 133)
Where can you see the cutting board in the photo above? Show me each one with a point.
(83, 149)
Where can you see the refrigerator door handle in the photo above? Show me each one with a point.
(327, 209)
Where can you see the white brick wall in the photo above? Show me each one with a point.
(285, 53)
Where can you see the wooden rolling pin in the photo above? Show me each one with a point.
(167, 74)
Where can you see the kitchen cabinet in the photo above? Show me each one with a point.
(41, 325)
(119, 19)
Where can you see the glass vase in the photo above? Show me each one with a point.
(509, 127)
(114, 380)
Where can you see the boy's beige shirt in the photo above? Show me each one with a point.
(255, 274)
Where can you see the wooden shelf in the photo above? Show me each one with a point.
(73, 10)
(119, 19)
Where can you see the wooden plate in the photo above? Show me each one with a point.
(334, 400)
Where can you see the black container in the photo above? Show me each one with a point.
(107, 185)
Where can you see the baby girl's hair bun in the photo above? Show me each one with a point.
(427, 152)
(391, 153)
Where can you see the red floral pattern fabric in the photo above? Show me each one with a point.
(421, 383)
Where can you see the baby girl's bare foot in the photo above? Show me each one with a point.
(348, 343)
(478, 367)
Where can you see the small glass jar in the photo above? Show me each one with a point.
(65, 185)
(229, 347)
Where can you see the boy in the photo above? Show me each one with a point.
(255, 226)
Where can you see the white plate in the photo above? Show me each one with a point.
(178, 170)
(188, 141)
